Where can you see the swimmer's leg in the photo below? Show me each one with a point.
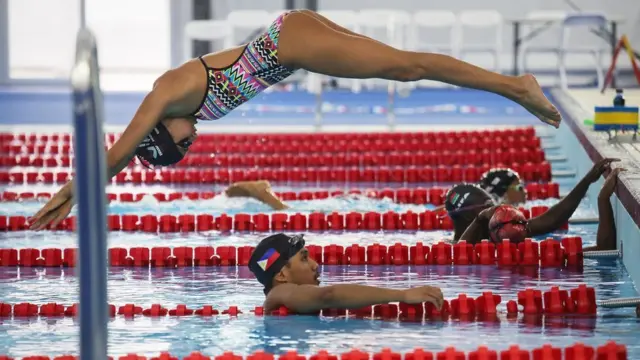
(308, 43)
(259, 190)
(333, 25)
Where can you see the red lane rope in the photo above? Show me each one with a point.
(417, 196)
(580, 301)
(443, 174)
(523, 147)
(301, 159)
(317, 222)
(547, 253)
(526, 132)
(578, 351)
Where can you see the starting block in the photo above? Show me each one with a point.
(617, 118)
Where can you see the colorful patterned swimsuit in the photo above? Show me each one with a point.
(256, 69)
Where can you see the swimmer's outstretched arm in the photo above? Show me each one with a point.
(560, 213)
(606, 235)
(259, 190)
(315, 45)
(304, 299)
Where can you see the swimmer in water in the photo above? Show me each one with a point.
(503, 185)
(471, 208)
(281, 263)
(211, 86)
(508, 222)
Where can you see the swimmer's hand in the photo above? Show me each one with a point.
(424, 294)
(610, 184)
(598, 169)
(55, 210)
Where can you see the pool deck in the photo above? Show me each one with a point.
(578, 105)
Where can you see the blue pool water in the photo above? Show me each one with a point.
(224, 287)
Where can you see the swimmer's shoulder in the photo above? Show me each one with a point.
(184, 85)
(277, 296)
(298, 299)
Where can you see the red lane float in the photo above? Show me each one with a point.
(302, 160)
(315, 222)
(529, 172)
(519, 150)
(509, 136)
(483, 253)
(582, 301)
(578, 351)
(418, 196)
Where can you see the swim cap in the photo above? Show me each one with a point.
(497, 181)
(158, 148)
(271, 255)
(507, 222)
(463, 197)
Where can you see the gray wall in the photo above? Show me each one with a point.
(629, 9)
(222, 7)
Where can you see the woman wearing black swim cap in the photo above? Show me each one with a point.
(213, 85)
(504, 185)
(471, 207)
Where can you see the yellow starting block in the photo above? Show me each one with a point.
(617, 118)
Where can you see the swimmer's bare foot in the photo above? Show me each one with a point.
(533, 99)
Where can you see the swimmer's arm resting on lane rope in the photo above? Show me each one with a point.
(304, 299)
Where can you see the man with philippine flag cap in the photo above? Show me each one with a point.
(281, 263)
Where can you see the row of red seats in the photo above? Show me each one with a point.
(528, 172)
(418, 196)
(283, 137)
(548, 253)
(368, 158)
(310, 147)
(579, 351)
(394, 158)
(580, 300)
(355, 145)
(317, 222)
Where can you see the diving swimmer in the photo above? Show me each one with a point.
(211, 86)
